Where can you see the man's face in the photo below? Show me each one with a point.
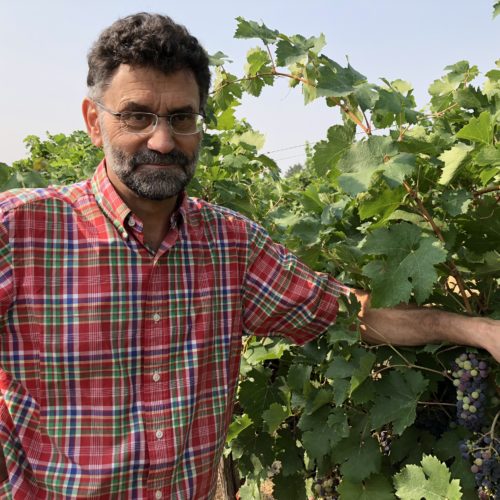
(159, 165)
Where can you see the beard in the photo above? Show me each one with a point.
(174, 172)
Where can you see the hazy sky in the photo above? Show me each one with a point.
(43, 47)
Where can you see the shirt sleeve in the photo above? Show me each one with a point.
(282, 296)
(6, 272)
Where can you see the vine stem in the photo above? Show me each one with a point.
(435, 403)
(453, 268)
(485, 190)
(493, 425)
(344, 107)
(411, 365)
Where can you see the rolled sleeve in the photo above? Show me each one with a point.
(283, 296)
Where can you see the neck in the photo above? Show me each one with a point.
(155, 215)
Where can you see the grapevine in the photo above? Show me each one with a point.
(397, 199)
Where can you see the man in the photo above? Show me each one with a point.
(123, 301)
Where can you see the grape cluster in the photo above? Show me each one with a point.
(326, 487)
(384, 441)
(484, 456)
(470, 374)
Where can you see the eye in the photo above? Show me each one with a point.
(137, 120)
(184, 122)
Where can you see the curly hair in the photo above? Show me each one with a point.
(148, 40)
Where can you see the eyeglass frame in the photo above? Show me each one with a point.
(119, 114)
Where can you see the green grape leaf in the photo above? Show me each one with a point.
(376, 487)
(483, 237)
(292, 486)
(288, 453)
(254, 451)
(382, 204)
(430, 481)
(407, 265)
(307, 230)
(496, 9)
(337, 333)
(327, 153)
(366, 95)
(336, 81)
(456, 202)
(239, 424)
(393, 106)
(256, 60)
(5, 173)
(218, 59)
(322, 430)
(274, 416)
(358, 460)
(227, 91)
(339, 425)
(396, 399)
(318, 398)
(453, 159)
(471, 98)
(251, 29)
(298, 377)
(256, 393)
(250, 490)
(316, 434)
(399, 167)
(33, 179)
(478, 129)
(357, 368)
(265, 349)
(294, 49)
(362, 160)
(488, 156)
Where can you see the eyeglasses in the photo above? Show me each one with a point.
(141, 122)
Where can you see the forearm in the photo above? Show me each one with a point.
(418, 326)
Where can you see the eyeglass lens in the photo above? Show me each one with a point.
(181, 123)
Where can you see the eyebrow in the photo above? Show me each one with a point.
(136, 106)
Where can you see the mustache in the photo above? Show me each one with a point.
(174, 157)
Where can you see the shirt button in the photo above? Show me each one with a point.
(156, 317)
(158, 494)
(159, 434)
(156, 376)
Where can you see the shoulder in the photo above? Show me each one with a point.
(201, 211)
(19, 200)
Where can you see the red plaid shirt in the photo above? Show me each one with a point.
(118, 365)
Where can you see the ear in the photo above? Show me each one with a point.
(89, 110)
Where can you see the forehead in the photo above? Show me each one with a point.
(153, 88)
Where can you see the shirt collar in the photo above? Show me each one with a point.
(116, 209)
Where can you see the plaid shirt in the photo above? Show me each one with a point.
(118, 365)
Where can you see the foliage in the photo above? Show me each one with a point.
(60, 159)
(397, 200)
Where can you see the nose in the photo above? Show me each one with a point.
(162, 138)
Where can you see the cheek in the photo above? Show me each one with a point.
(189, 144)
(127, 142)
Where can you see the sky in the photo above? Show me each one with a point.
(43, 49)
